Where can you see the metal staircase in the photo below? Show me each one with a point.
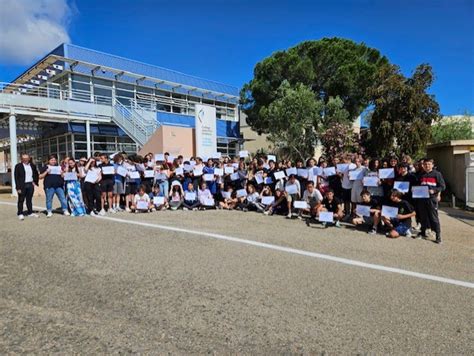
(133, 123)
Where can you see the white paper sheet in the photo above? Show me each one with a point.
(241, 193)
(300, 204)
(268, 200)
(279, 175)
(370, 181)
(70, 176)
(158, 200)
(386, 173)
(325, 216)
(389, 211)
(290, 171)
(218, 172)
(362, 210)
(291, 189)
(142, 205)
(108, 170)
(191, 196)
(420, 192)
(403, 187)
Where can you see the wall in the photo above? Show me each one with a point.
(173, 139)
(449, 158)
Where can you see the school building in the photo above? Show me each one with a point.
(76, 101)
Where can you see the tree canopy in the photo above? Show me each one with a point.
(330, 67)
(448, 129)
(403, 111)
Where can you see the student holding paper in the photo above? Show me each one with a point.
(148, 177)
(191, 200)
(162, 175)
(401, 225)
(106, 184)
(252, 201)
(226, 199)
(26, 178)
(73, 189)
(314, 199)
(334, 205)
(357, 185)
(292, 192)
(376, 192)
(91, 188)
(53, 185)
(373, 219)
(141, 201)
(176, 196)
(209, 169)
(346, 184)
(280, 205)
(428, 207)
(132, 181)
(157, 193)
(205, 197)
(119, 182)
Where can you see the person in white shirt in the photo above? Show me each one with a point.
(314, 199)
(292, 192)
(142, 201)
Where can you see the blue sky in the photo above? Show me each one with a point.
(222, 40)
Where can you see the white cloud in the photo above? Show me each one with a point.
(30, 29)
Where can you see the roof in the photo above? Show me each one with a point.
(98, 58)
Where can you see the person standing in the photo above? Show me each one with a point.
(53, 184)
(428, 207)
(26, 177)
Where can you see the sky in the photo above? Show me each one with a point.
(223, 40)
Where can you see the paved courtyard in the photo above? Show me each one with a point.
(229, 282)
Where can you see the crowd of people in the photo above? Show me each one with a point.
(382, 195)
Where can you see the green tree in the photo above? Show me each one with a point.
(330, 68)
(298, 118)
(452, 129)
(400, 121)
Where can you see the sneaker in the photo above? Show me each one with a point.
(152, 210)
(325, 225)
(195, 209)
(373, 231)
(112, 211)
(266, 212)
(245, 210)
(118, 209)
(49, 214)
(289, 216)
(300, 217)
(408, 233)
(127, 209)
(185, 209)
(102, 212)
(93, 213)
(421, 236)
(337, 224)
(438, 240)
(66, 213)
(33, 215)
(21, 217)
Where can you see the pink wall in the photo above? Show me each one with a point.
(173, 139)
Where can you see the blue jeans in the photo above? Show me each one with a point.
(164, 187)
(50, 195)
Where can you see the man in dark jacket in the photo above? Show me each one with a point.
(428, 207)
(26, 177)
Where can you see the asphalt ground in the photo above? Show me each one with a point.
(216, 282)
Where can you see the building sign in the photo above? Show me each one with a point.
(206, 136)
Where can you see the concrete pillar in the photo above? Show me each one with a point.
(88, 138)
(13, 149)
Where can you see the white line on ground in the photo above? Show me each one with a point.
(294, 251)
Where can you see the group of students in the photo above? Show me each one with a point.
(379, 194)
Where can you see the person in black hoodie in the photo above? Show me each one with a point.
(428, 207)
(26, 177)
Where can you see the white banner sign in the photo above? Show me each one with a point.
(206, 131)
